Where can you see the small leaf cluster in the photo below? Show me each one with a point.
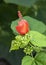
(20, 42)
(24, 41)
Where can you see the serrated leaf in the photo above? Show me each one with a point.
(38, 39)
(27, 60)
(41, 58)
(26, 3)
(33, 24)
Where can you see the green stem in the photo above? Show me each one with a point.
(36, 47)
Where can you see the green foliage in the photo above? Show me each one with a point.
(41, 10)
(33, 40)
(20, 42)
(38, 39)
(26, 3)
(28, 50)
(39, 59)
(8, 13)
(33, 24)
(14, 45)
(27, 60)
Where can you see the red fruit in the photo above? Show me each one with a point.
(23, 26)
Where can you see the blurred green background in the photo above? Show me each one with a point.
(8, 13)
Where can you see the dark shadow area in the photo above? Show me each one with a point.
(4, 62)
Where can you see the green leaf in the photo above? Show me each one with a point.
(38, 39)
(33, 24)
(38, 63)
(26, 3)
(13, 25)
(36, 24)
(27, 60)
(41, 58)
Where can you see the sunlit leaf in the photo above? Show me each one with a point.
(38, 39)
(39, 59)
(28, 60)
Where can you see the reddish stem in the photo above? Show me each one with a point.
(19, 15)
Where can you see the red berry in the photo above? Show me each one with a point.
(23, 26)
